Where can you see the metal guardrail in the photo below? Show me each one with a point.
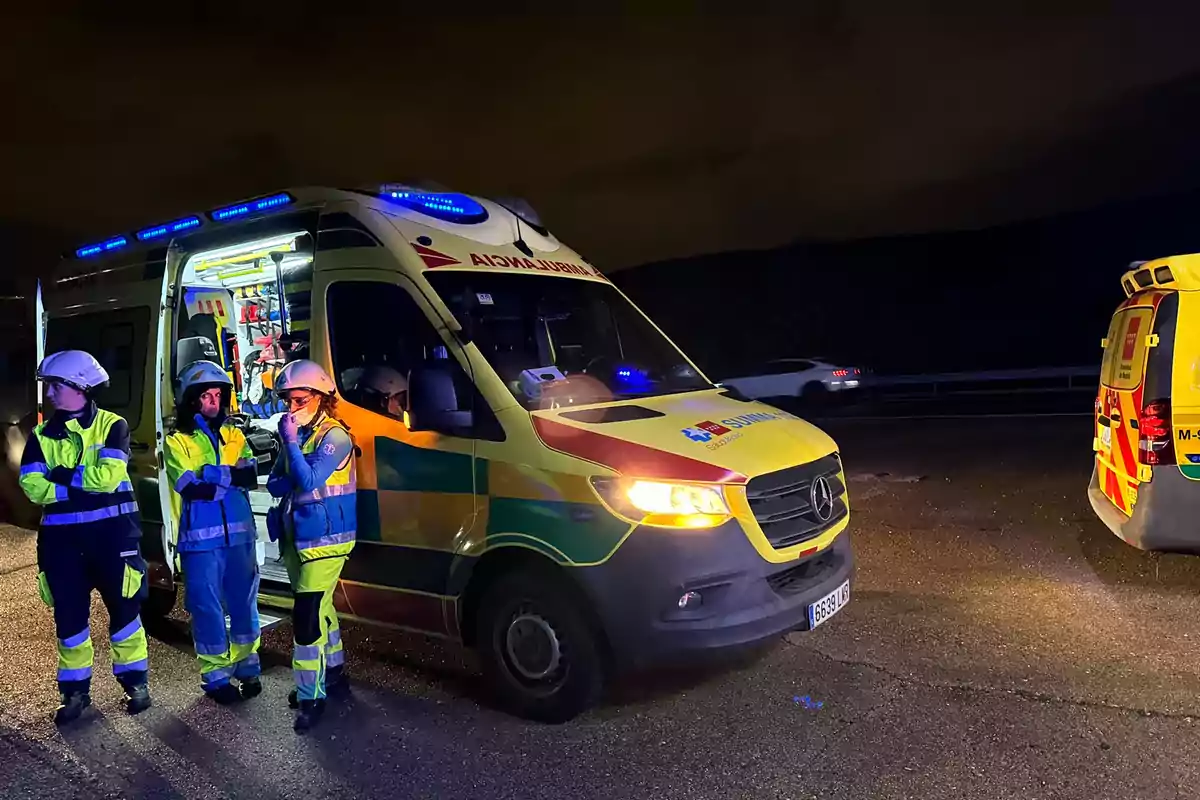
(1048, 379)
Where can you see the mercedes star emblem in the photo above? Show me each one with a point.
(821, 497)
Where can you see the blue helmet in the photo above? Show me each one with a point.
(202, 373)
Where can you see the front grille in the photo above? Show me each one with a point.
(782, 501)
(802, 576)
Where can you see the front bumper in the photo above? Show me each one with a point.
(746, 600)
(1163, 518)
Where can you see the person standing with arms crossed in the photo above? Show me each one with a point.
(315, 523)
(75, 466)
(210, 468)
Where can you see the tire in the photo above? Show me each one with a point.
(814, 393)
(159, 603)
(527, 603)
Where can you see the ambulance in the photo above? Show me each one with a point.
(1146, 479)
(559, 488)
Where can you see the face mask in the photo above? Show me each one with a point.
(303, 416)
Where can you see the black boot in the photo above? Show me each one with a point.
(72, 706)
(251, 687)
(310, 712)
(226, 694)
(137, 698)
(337, 688)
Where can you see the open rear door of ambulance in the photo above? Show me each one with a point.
(1124, 457)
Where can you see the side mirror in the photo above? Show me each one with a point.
(433, 403)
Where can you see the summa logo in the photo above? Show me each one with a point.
(708, 430)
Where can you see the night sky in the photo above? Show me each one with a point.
(640, 138)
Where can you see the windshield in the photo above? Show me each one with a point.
(561, 341)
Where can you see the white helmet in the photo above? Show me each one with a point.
(304, 374)
(202, 373)
(74, 368)
(383, 380)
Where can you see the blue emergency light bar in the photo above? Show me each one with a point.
(251, 207)
(255, 206)
(446, 206)
(114, 243)
(187, 223)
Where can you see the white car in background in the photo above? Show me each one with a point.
(807, 378)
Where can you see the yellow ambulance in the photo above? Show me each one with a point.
(559, 487)
(1146, 479)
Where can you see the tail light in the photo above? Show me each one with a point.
(857, 371)
(841, 373)
(1155, 445)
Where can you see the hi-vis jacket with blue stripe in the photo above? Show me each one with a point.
(210, 473)
(317, 479)
(76, 467)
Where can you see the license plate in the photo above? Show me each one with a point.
(828, 605)
(1106, 436)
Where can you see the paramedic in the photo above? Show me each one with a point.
(210, 471)
(75, 466)
(315, 522)
(383, 390)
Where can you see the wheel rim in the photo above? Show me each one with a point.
(532, 648)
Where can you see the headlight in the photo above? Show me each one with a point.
(671, 505)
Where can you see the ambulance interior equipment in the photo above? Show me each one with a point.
(233, 297)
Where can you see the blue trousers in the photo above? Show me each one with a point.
(217, 582)
(74, 566)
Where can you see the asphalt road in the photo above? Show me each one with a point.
(1000, 643)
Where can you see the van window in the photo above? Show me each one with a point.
(1124, 363)
(117, 339)
(375, 327)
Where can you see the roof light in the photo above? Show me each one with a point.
(114, 243)
(251, 207)
(446, 206)
(178, 225)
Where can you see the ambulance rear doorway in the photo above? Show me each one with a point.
(245, 306)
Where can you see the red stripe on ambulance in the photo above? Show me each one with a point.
(629, 458)
(433, 258)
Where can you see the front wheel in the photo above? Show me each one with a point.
(541, 655)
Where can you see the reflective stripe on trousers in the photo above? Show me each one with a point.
(129, 653)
